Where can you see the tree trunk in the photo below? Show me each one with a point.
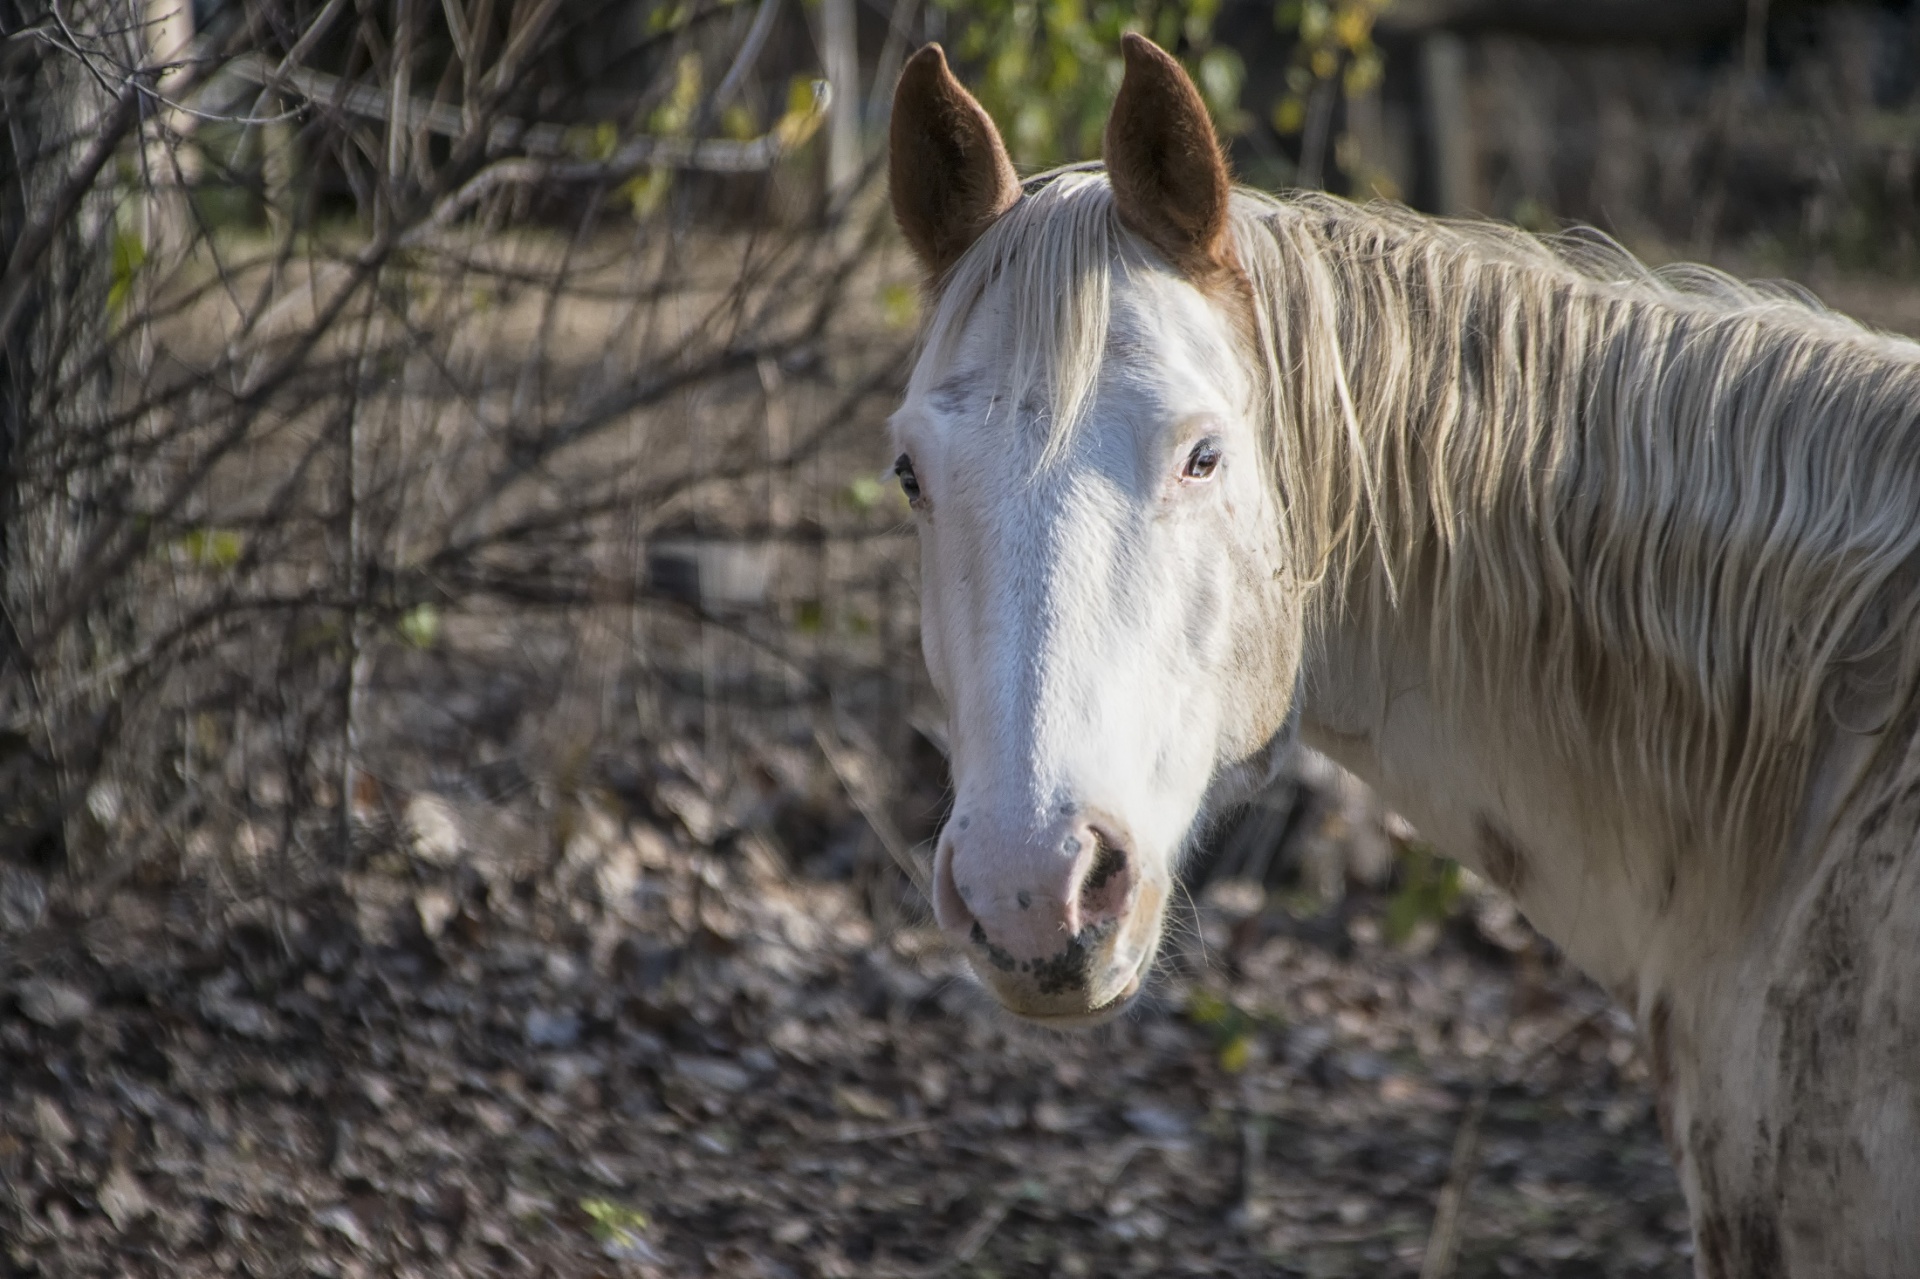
(60, 134)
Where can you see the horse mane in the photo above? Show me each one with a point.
(1662, 516)
(1056, 249)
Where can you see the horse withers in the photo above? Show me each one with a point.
(1606, 578)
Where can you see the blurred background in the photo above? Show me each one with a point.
(465, 763)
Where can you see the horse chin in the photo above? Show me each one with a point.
(1092, 1017)
(1067, 1014)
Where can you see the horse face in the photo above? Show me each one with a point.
(1099, 605)
(1102, 625)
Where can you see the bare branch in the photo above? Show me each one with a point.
(559, 147)
(113, 128)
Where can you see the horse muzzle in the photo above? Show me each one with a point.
(1061, 928)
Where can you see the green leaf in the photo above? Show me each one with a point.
(1207, 1008)
(675, 114)
(1288, 115)
(1046, 70)
(806, 111)
(646, 192)
(865, 492)
(606, 140)
(1429, 890)
(737, 122)
(615, 1223)
(605, 1212)
(217, 548)
(899, 306)
(420, 625)
(129, 255)
(1232, 1028)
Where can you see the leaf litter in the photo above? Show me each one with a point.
(649, 1056)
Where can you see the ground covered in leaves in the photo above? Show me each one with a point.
(628, 1053)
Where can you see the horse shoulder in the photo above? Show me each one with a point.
(1796, 1084)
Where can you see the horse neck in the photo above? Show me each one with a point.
(1545, 516)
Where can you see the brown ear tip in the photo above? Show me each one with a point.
(928, 57)
(1142, 52)
(924, 70)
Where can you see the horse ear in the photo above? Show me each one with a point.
(947, 165)
(1170, 181)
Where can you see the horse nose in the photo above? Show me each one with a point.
(1027, 904)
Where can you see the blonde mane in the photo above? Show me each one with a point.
(1664, 516)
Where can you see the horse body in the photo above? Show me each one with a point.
(1783, 1039)
(1726, 837)
(1607, 582)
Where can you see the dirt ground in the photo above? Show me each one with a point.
(622, 1051)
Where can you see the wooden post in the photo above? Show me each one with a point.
(840, 59)
(278, 165)
(171, 163)
(1443, 68)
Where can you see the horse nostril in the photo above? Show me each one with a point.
(1103, 893)
(1108, 861)
(949, 907)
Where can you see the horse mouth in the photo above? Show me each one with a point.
(1097, 1015)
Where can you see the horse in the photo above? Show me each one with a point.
(1605, 578)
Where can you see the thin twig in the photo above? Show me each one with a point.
(558, 144)
(889, 1132)
(16, 285)
(749, 53)
(854, 781)
(1444, 1242)
(982, 1230)
(966, 1247)
(1253, 1154)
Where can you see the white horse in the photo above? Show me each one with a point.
(1606, 579)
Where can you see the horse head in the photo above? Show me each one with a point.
(1106, 602)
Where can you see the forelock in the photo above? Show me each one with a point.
(1047, 267)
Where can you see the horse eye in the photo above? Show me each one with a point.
(909, 482)
(1202, 462)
